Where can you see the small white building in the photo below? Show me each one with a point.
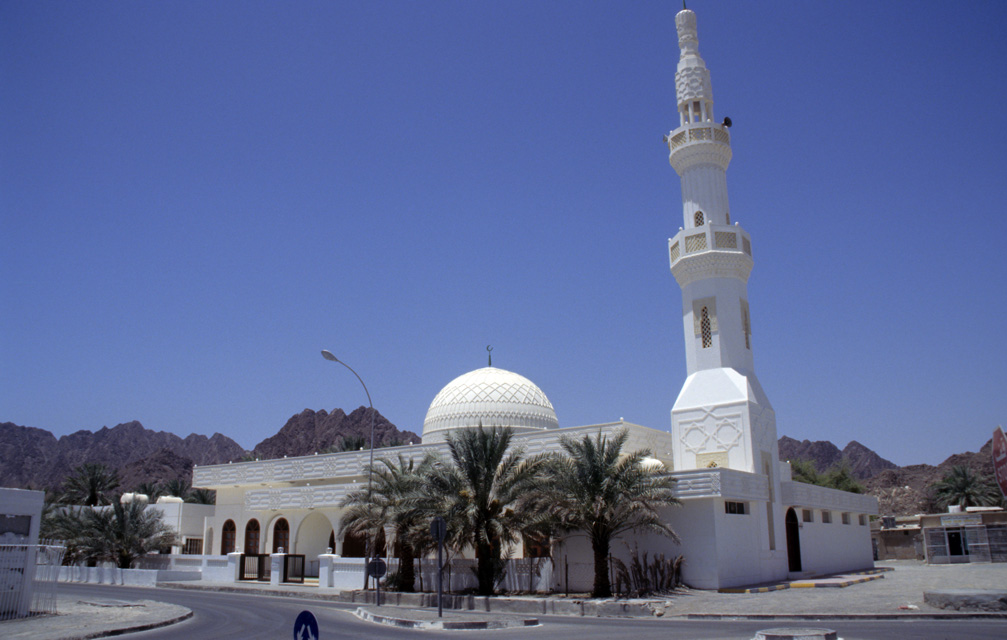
(742, 520)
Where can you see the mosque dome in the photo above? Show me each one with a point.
(491, 397)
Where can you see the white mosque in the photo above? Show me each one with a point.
(742, 520)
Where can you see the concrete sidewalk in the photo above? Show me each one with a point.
(97, 618)
(898, 592)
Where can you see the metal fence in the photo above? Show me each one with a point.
(28, 576)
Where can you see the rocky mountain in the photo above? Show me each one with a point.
(904, 490)
(312, 431)
(899, 490)
(31, 457)
(35, 458)
(863, 462)
(162, 467)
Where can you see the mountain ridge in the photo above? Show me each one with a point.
(31, 457)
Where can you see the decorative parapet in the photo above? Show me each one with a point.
(726, 483)
(658, 442)
(800, 494)
(347, 464)
(329, 495)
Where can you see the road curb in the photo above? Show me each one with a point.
(834, 616)
(132, 629)
(407, 623)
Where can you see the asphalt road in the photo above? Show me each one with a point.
(229, 615)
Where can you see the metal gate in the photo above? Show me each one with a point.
(977, 543)
(936, 545)
(997, 536)
(254, 566)
(293, 568)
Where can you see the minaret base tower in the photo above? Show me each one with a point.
(722, 417)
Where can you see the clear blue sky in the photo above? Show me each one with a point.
(195, 198)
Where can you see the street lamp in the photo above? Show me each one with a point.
(370, 468)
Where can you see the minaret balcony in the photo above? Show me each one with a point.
(699, 143)
(710, 250)
(698, 132)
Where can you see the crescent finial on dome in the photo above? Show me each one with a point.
(489, 353)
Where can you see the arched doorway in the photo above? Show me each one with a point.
(252, 537)
(227, 535)
(281, 536)
(311, 539)
(793, 541)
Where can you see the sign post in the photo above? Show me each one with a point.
(438, 529)
(305, 626)
(1000, 459)
(376, 567)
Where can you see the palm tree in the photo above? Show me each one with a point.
(963, 487)
(202, 496)
(91, 484)
(395, 500)
(66, 525)
(480, 494)
(124, 533)
(178, 487)
(152, 490)
(353, 443)
(598, 489)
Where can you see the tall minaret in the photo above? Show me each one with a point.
(722, 417)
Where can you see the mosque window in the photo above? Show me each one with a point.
(699, 219)
(862, 520)
(807, 515)
(536, 547)
(728, 217)
(846, 518)
(739, 508)
(281, 536)
(704, 324)
(227, 536)
(746, 324)
(826, 517)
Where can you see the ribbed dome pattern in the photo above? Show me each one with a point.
(491, 397)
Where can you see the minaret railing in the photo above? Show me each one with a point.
(715, 237)
(699, 132)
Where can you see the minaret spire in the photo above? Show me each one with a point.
(721, 417)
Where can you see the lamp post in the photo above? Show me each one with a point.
(370, 468)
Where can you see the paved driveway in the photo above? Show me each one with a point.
(902, 587)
